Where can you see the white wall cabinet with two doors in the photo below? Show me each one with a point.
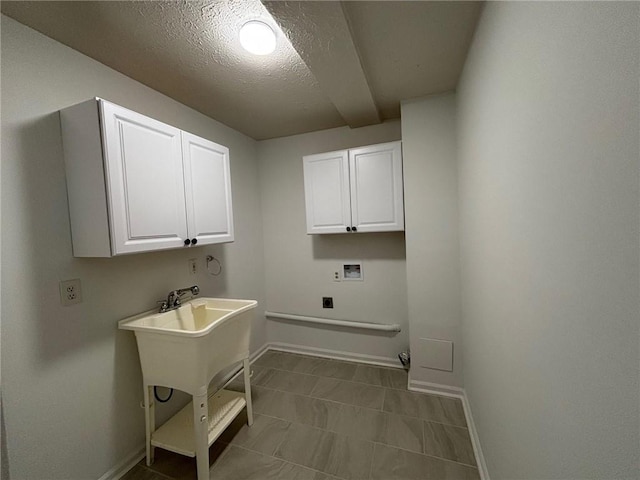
(136, 184)
(355, 190)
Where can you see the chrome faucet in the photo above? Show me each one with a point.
(173, 300)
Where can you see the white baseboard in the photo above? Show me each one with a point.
(336, 354)
(475, 439)
(259, 352)
(119, 470)
(457, 392)
(436, 388)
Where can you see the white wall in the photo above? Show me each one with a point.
(549, 196)
(299, 267)
(71, 382)
(431, 215)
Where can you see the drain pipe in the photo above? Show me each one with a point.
(405, 358)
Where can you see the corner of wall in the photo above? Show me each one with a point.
(431, 217)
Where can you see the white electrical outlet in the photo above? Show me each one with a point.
(193, 269)
(70, 292)
(336, 276)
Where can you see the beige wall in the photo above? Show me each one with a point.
(71, 384)
(549, 195)
(431, 214)
(299, 267)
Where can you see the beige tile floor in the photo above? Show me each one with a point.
(325, 419)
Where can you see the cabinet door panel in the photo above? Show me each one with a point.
(208, 188)
(377, 203)
(143, 164)
(326, 188)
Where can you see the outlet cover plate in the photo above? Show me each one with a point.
(70, 292)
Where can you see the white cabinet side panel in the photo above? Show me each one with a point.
(85, 180)
(326, 186)
(208, 190)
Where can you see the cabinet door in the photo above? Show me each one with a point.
(377, 203)
(326, 190)
(208, 190)
(145, 187)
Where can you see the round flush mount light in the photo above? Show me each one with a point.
(258, 38)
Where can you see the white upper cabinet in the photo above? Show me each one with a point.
(143, 160)
(208, 190)
(357, 190)
(377, 201)
(326, 189)
(136, 184)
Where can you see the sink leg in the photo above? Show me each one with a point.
(247, 390)
(149, 421)
(201, 432)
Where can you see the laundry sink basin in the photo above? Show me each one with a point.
(184, 348)
(195, 318)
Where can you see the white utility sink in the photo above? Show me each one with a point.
(184, 349)
(195, 318)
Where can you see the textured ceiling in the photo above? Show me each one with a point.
(338, 63)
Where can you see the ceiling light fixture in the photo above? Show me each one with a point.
(258, 38)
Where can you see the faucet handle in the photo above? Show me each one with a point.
(163, 305)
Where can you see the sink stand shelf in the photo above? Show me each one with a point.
(177, 434)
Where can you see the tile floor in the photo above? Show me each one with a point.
(324, 419)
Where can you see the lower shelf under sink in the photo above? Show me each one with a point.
(177, 434)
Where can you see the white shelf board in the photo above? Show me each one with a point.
(177, 434)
